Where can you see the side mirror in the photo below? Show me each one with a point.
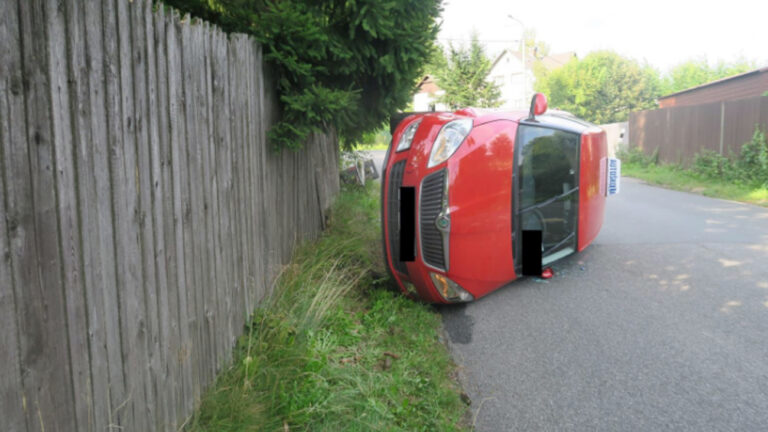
(538, 106)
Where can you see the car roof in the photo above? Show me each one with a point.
(555, 119)
(566, 122)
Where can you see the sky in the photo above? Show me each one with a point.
(661, 32)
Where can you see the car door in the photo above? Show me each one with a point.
(546, 196)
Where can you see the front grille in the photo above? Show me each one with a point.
(393, 215)
(430, 205)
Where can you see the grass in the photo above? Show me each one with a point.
(675, 177)
(334, 350)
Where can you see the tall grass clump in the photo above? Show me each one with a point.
(332, 350)
(636, 156)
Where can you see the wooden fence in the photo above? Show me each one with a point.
(143, 216)
(680, 132)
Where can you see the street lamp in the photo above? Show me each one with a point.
(522, 42)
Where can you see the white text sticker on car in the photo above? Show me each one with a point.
(613, 176)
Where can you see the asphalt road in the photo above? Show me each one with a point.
(660, 325)
(378, 158)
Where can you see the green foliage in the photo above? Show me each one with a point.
(533, 45)
(693, 73)
(602, 88)
(342, 64)
(376, 140)
(540, 74)
(332, 350)
(464, 77)
(752, 164)
(711, 164)
(636, 156)
(749, 167)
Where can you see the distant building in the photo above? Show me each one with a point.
(427, 95)
(517, 85)
(748, 84)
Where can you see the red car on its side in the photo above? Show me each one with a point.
(468, 197)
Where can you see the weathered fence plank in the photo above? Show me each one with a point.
(97, 210)
(179, 192)
(11, 394)
(40, 303)
(188, 283)
(223, 181)
(207, 181)
(97, 413)
(144, 215)
(69, 97)
(253, 173)
(238, 120)
(148, 299)
(157, 301)
(128, 227)
(191, 69)
(12, 130)
(167, 385)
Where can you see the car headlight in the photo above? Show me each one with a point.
(407, 137)
(448, 140)
(450, 290)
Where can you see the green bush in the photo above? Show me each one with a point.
(342, 64)
(748, 167)
(377, 139)
(711, 164)
(752, 164)
(636, 156)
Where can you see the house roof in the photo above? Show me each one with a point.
(554, 61)
(427, 85)
(719, 81)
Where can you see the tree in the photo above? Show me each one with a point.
(533, 46)
(540, 74)
(602, 88)
(464, 77)
(692, 73)
(339, 64)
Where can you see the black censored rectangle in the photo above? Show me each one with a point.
(531, 252)
(407, 223)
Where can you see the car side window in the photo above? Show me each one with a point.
(548, 163)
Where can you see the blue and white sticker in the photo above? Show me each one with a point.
(613, 177)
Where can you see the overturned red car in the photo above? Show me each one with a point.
(472, 200)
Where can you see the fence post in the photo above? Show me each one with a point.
(722, 125)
